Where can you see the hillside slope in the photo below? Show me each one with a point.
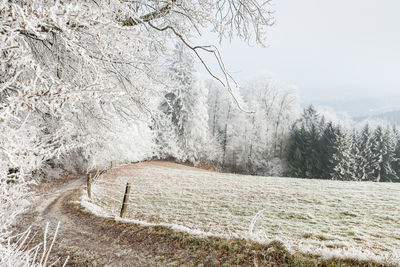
(319, 217)
(198, 202)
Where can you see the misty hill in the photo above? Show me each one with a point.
(391, 117)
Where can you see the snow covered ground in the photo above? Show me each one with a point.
(328, 218)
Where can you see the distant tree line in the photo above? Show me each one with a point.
(202, 122)
(320, 149)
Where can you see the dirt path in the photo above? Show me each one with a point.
(87, 240)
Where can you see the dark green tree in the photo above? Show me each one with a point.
(328, 149)
(296, 155)
(396, 159)
(342, 160)
(304, 153)
(365, 159)
(383, 151)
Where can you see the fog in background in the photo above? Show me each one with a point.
(344, 54)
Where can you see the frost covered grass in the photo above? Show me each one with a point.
(315, 217)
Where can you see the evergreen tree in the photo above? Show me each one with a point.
(311, 119)
(341, 161)
(313, 152)
(328, 149)
(296, 153)
(355, 156)
(322, 150)
(396, 156)
(304, 153)
(365, 158)
(388, 173)
(383, 151)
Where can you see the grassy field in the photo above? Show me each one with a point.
(313, 217)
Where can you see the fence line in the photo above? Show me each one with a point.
(154, 198)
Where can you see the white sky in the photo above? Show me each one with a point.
(342, 53)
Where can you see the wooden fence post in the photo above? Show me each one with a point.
(125, 200)
(89, 185)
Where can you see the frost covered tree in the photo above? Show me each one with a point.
(355, 155)
(365, 157)
(341, 161)
(186, 105)
(396, 157)
(66, 91)
(65, 64)
(275, 107)
(383, 150)
(254, 142)
(221, 107)
(328, 149)
(339, 152)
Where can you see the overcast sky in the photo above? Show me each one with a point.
(342, 53)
